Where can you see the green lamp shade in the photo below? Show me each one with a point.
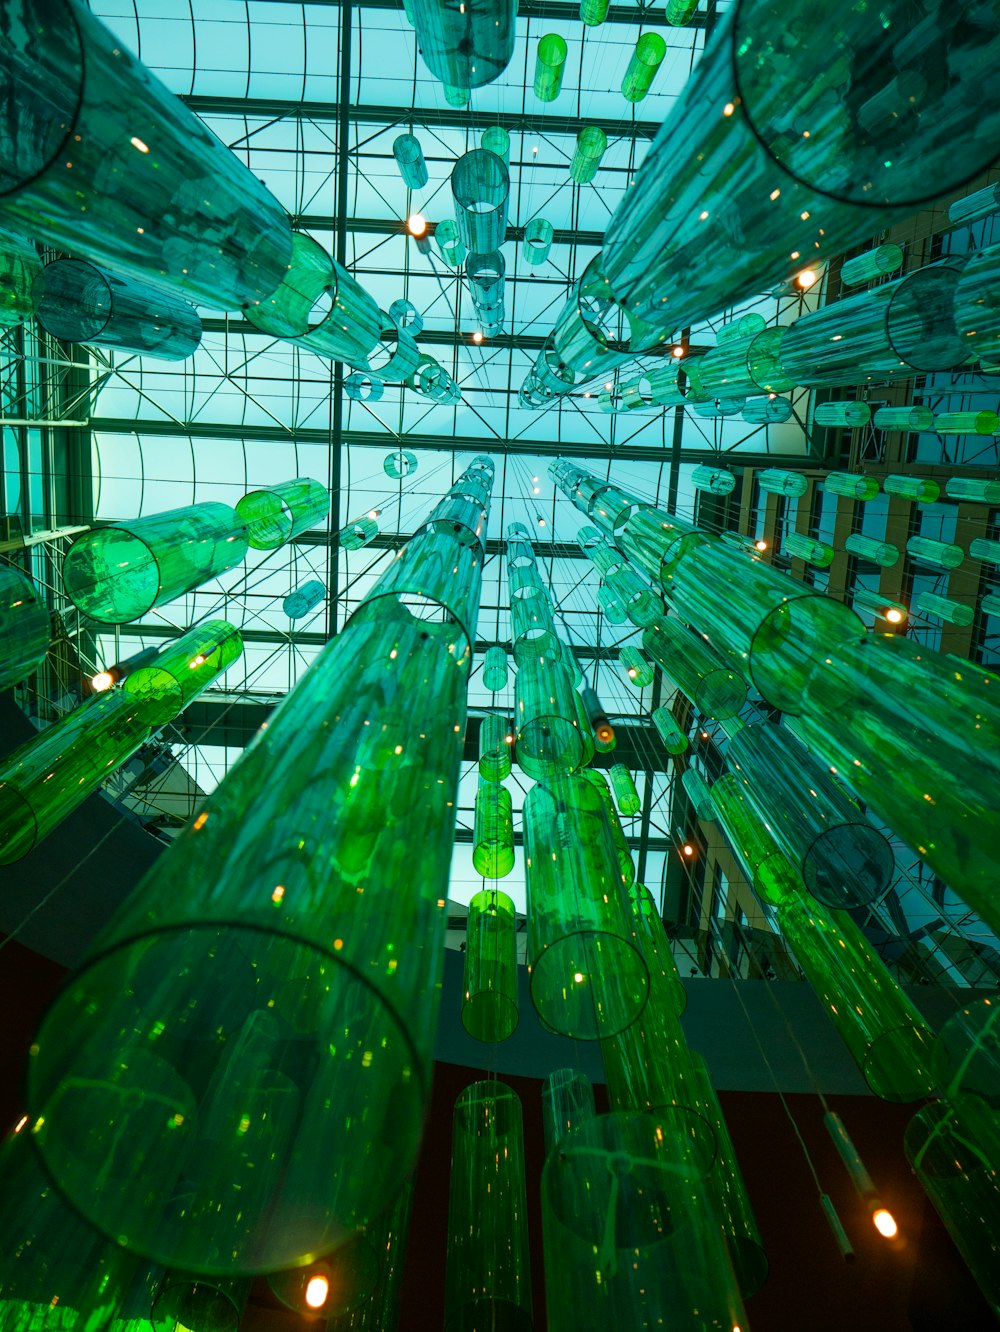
(768, 870)
(912, 487)
(494, 747)
(495, 669)
(489, 1011)
(593, 12)
(887, 1037)
(714, 479)
(409, 157)
(966, 423)
(944, 608)
(488, 1275)
(882, 553)
(767, 411)
(449, 243)
(937, 554)
(304, 599)
(983, 548)
(277, 513)
(650, 48)
(802, 547)
(700, 672)
(851, 414)
(567, 1102)
(537, 242)
(912, 420)
(637, 669)
(480, 187)
(679, 13)
(399, 464)
(118, 573)
(674, 739)
(24, 627)
(973, 489)
(493, 835)
(587, 977)
(167, 203)
(357, 535)
(465, 47)
(848, 483)
(78, 302)
(547, 741)
(777, 482)
(623, 787)
(884, 259)
(19, 266)
(550, 64)
(591, 144)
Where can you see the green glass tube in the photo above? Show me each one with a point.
(650, 48)
(990, 605)
(882, 553)
(586, 728)
(438, 567)
(623, 787)
(399, 464)
(637, 668)
(567, 1103)
(768, 869)
(777, 482)
(487, 1277)
(973, 207)
(983, 548)
(363, 388)
(547, 741)
(885, 1034)
(486, 277)
(117, 573)
(276, 513)
(937, 554)
(944, 608)
(967, 1054)
(24, 627)
(674, 739)
(489, 1010)
(50, 1259)
(736, 367)
(320, 306)
(199, 1305)
(912, 487)
(844, 861)
(714, 479)
(851, 414)
(729, 1194)
(409, 157)
(746, 326)
(350, 1275)
(912, 419)
(973, 489)
(480, 187)
(679, 13)
(466, 46)
(537, 242)
(855, 487)
(611, 604)
(629, 1232)
(593, 12)
(137, 202)
(601, 785)
(550, 65)
(495, 669)
(531, 624)
(966, 423)
(767, 411)
(51, 774)
(495, 139)
(699, 794)
(404, 314)
(304, 599)
(380, 1313)
(449, 243)
(494, 748)
(591, 143)
(977, 306)
(807, 548)
(77, 302)
(877, 263)
(587, 977)
(720, 407)
(19, 266)
(656, 945)
(358, 534)
(954, 1149)
(493, 836)
(704, 676)
(894, 612)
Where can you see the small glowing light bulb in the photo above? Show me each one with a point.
(678, 352)
(632, 672)
(578, 977)
(416, 224)
(688, 849)
(609, 387)
(477, 336)
(102, 680)
(885, 1223)
(541, 522)
(373, 513)
(894, 616)
(761, 544)
(728, 110)
(807, 278)
(317, 1289)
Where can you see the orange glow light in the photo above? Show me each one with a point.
(317, 1289)
(416, 224)
(885, 1223)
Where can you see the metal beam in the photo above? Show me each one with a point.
(547, 9)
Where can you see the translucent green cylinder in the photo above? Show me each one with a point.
(567, 1102)
(480, 187)
(637, 668)
(399, 464)
(746, 326)
(966, 423)
(24, 627)
(493, 835)
(495, 669)
(884, 259)
(601, 785)
(118, 573)
(954, 1149)
(496, 140)
(777, 482)
(894, 612)
(938, 554)
(990, 605)
(166, 203)
(591, 143)
(739, 366)
(455, 96)
(363, 388)
(587, 977)
(851, 414)
(550, 64)
(679, 13)
(77, 302)
(912, 487)
(967, 1054)
(626, 796)
(767, 411)
(547, 741)
(674, 739)
(912, 419)
(882, 553)
(380, 1313)
(973, 489)
(720, 407)
(844, 861)
(729, 1192)
(449, 243)
(465, 46)
(277, 513)
(494, 748)
(977, 305)
(630, 1233)
(488, 1276)
(696, 668)
(846, 483)
(642, 605)
(650, 48)
(320, 306)
(409, 157)
(537, 241)
(358, 534)
(714, 479)
(983, 203)
(489, 1011)
(885, 1034)
(767, 868)
(944, 608)
(808, 548)
(50, 775)
(593, 12)
(656, 945)
(699, 794)
(50, 1259)
(19, 266)
(199, 1305)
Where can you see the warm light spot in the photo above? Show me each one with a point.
(541, 522)
(201, 820)
(609, 387)
(807, 278)
(278, 893)
(338, 945)
(894, 616)
(728, 109)
(794, 254)
(20, 1123)
(199, 660)
(702, 216)
(688, 849)
(761, 544)
(678, 352)
(102, 680)
(804, 216)
(775, 194)
(138, 143)
(373, 514)
(477, 336)
(578, 977)
(317, 1289)
(885, 1223)
(416, 225)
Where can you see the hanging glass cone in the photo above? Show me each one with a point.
(567, 1102)
(24, 627)
(275, 514)
(629, 1232)
(488, 1277)
(117, 573)
(587, 976)
(494, 747)
(489, 1012)
(268, 1124)
(493, 834)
